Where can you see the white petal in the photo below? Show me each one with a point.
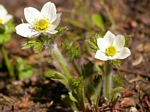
(3, 11)
(109, 37)
(56, 22)
(7, 18)
(54, 18)
(119, 42)
(25, 30)
(52, 31)
(31, 13)
(101, 56)
(111, 57)
(49, 10)
(102, 44)
(123, 53)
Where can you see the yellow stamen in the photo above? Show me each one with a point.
(41, 25)
(0, 21)
(111, 50)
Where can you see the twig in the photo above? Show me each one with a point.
(134, 72)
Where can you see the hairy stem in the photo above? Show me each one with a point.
(81, 102)
(57, 56)
(107, 80)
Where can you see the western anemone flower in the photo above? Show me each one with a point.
(39, 22)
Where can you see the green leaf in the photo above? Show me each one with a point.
(97, 20)
(117, 80)
(4, 38)
(2, 28)
(37, 46)
(96, 90)
(127, 39)
(92, 45)
(66, 99)
(93, 42)
(115, 92)
(74, 83)
(22, 65)
(52, 73)
(25, 74)
(116, 62)
(49, 73)
(23, 69)
(10, 27)
(73, 96)
(5, 31)
(88, 70)
(71, 51)
(58, 76)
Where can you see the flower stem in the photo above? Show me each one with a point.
(56, 54)
(7, 62)
(107, 80)
(80, 92)
(76, 68)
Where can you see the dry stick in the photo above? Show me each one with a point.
(134, 72)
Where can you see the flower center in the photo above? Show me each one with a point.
(0, 21)
(41, 25)
(110, 50)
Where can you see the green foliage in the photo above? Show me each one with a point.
(127, 39)
(97, 79)
(37, 46)
(73, 96)
(93, 42)
(4, 38)
(115, 92)
(88, 70)
(98, 21)
(75, 82)
(66, 99)
(91, 82)
(53, 74)
(41, 41)
(10, 27)
(5, 31)
(116, 62)
(24, 70)
(97, 83)
(71, 51)
(61, 30)
(2, 28)
(117, 80)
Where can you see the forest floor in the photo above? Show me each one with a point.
(41, 94)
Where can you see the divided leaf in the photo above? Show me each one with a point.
(71, 51)
(93, 42)
(37, 46)
(24, 70)
(52, 73)
(88, 70)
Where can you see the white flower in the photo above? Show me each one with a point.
(111, 47)
(44, 21)
(4, 16)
